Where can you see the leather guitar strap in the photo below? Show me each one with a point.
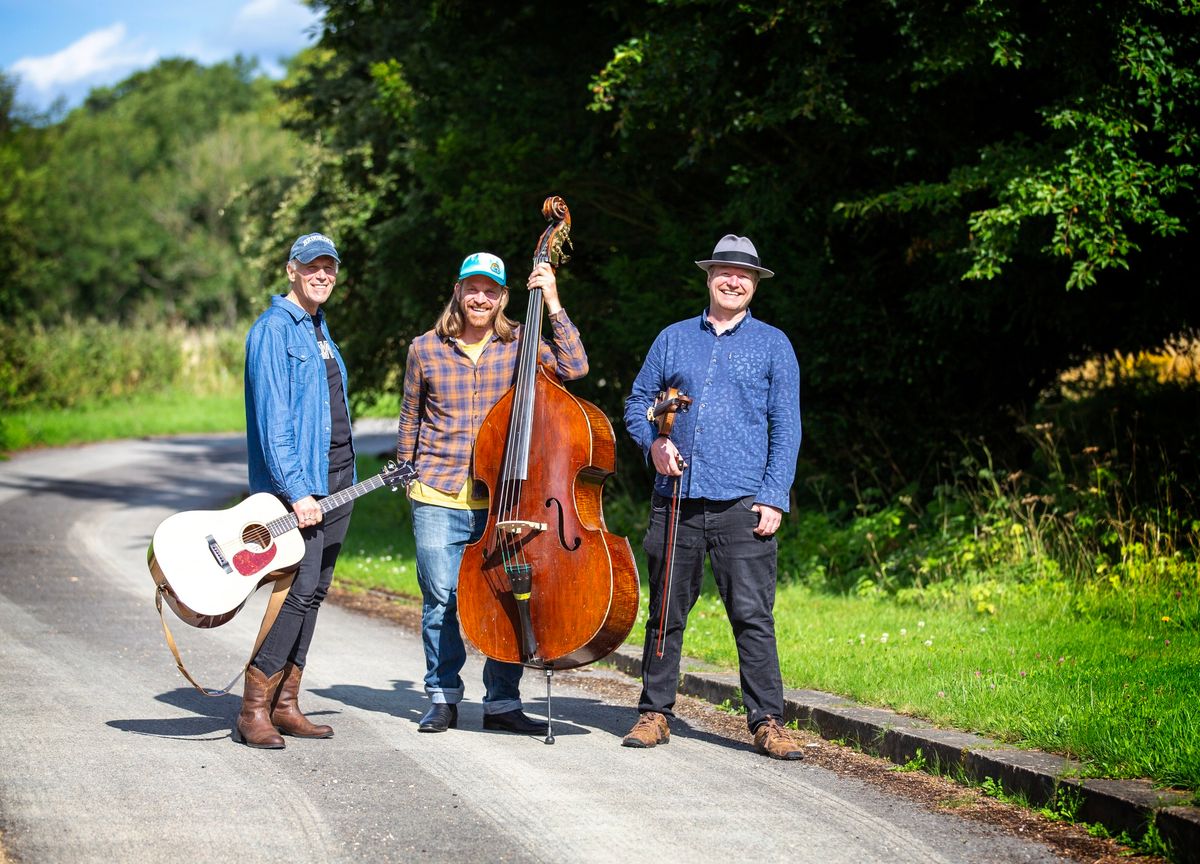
(279, 591)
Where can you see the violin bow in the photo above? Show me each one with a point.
(662, 414)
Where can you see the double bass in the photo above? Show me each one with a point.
(546, 585)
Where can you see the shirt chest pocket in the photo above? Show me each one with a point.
(298, 359)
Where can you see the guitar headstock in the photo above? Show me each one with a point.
(398, 476)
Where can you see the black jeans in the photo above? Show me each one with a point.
(290, 635)
(744, 566)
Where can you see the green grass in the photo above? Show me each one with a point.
(166, 412)
(1124, 700)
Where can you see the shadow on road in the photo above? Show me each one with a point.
(214, 714)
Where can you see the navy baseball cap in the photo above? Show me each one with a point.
(310, 246)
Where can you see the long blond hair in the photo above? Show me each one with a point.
(451, 322)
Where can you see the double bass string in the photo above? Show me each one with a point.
(518, 444)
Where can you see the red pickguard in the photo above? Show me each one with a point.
(248, 563)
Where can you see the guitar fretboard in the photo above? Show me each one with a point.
(331, 502)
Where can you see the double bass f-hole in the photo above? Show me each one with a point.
(562, 528)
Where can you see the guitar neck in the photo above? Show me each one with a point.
(330, 502)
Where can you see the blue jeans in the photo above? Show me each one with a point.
(442, 534)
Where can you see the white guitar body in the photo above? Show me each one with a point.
(209, 562)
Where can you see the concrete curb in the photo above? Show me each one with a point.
(1129, 806)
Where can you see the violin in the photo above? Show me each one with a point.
(547, 585)
(662, 413)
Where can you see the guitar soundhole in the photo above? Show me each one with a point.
(256, 537)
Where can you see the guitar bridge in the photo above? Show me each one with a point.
(215, 549)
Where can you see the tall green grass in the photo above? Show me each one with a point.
(92, 381)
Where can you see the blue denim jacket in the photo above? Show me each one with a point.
(287, 403)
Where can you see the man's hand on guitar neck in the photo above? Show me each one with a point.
(308, 511)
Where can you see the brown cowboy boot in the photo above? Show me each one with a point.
(285, 713)
(651, 729)
(254, 727)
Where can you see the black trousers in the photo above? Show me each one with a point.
(744, 566)
(290, 635)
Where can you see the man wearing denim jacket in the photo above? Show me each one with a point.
(731, 457)
(300, 448)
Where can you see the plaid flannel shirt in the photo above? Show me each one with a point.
(446, 396)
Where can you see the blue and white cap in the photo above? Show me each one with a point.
(483, 264)
(310, 246)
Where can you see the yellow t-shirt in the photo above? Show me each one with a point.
(418, 491)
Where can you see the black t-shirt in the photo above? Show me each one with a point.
(341, 453)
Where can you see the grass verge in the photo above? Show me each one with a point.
(165, 412)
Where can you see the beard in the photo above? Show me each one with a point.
(480, 317)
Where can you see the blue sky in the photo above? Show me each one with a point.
(67, 47)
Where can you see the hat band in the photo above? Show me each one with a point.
(737, 258)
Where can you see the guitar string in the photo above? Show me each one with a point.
(282, 524)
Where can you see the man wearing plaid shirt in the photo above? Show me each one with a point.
(455, 373)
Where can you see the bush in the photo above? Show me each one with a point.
(77, 363)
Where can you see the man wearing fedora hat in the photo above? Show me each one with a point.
(723, 478)
(454, 375)
(299, 448)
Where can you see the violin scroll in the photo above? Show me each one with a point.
(666, 405)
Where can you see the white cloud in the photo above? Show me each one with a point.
(101, 51)
(272, 24)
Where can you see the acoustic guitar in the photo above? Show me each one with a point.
(207, 563)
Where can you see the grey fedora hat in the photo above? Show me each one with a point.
(739, 251)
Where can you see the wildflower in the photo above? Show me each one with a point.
(1022, 673)
(1166, 619)
(1166, 641)
(978, 674)
(883, 638)
(928, 643)
(920, 623)
(903, 631)
(941, 694)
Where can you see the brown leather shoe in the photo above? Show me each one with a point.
(773, 739)
(254, 728)
(650, 730)
(285, 712)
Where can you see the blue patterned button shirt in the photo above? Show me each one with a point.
(742, 434)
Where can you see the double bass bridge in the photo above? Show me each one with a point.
(516, 526)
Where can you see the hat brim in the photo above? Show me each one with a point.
(762, 271)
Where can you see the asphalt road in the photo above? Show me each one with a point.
(107, 754)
